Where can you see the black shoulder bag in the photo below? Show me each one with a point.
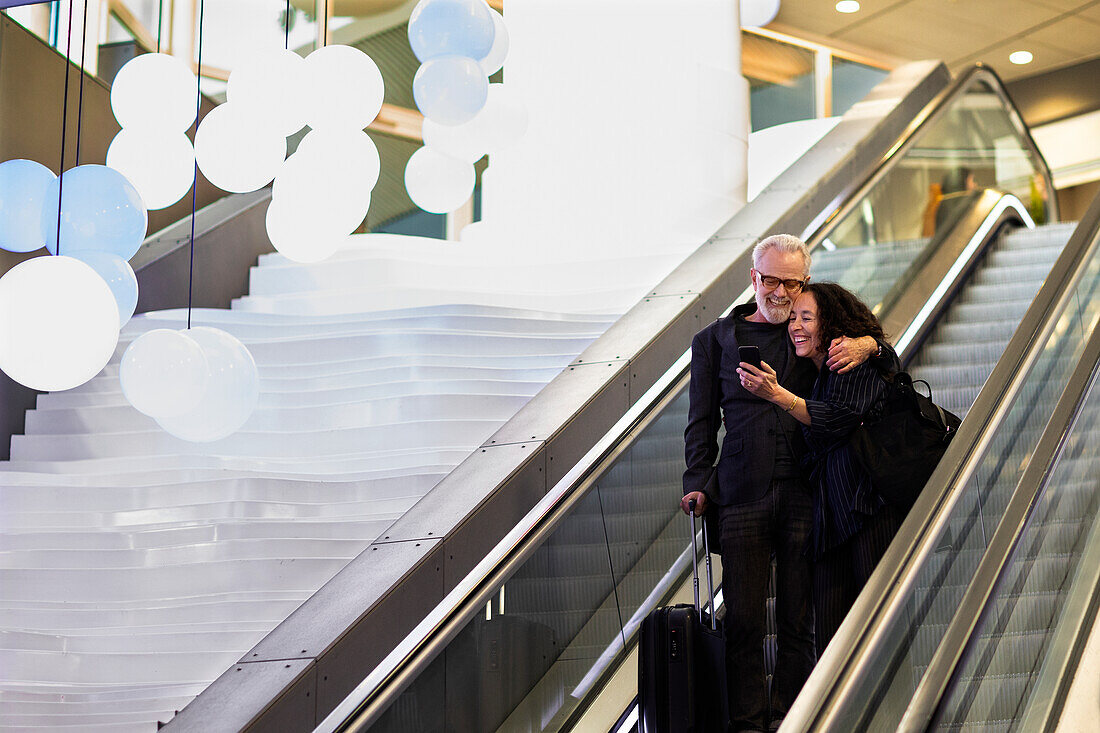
(902, 443)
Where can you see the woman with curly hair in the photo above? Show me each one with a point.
(853, 525)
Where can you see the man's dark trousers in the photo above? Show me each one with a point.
(779, 521)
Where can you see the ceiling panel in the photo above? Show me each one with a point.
(1064, 5)
(977, 14)
(909, 27)
(960, 32)
(1091, 12)
(1047, 58)
(821, 17)
(1075, 36)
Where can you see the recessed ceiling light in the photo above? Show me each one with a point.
(1020, 57)
(847, 6)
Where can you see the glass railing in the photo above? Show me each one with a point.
(549, 630)
(974, 141)
(1013, 645)
(554, 628)
(903, 644)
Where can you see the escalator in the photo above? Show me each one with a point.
(625, 524)
(136, 568)
(605, 546)
(976, 618)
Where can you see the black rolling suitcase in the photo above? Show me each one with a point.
(681, 665)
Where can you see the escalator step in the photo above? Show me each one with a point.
(999, 331)
(1007, 293)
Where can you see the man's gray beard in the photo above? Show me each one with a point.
(774, 315)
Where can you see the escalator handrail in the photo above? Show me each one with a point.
(977, 74)
(1053, 691)
(362, 707)
(957, 639)
(930, 285)
(850, 659)
(381, 687)
(922, 302)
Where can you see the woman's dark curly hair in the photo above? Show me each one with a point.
(841, 313)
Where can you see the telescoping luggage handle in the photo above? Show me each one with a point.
(695, 568)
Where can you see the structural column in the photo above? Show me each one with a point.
(638, 130)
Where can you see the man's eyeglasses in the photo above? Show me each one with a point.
(770, 282)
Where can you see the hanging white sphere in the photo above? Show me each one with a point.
(23, 187)
(493, 62)
(164, 373)
(271, 89)
(301, 234)
(344, 88)
(500, 123)
(757, 13)
(60, 323)
(437, 183)
(465, 142)
(331, 151)
(118, 275)
(232, 390)
(160, 164)
(329, 179)
(155, 90)
(233, 154)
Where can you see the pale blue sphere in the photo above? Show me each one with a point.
(451, 28)
(118, 275)
(450, 90)
(23, 187)
(101, 211)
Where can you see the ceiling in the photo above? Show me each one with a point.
(960, 32)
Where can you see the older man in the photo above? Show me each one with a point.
(764, 504)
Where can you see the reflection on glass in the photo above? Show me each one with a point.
(944, 576)
(851, 82)
(145, 12)
(781, 81)
(970, 146)
(550, 627)
(35, 18)
(1013, 640)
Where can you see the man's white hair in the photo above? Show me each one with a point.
(783, 243)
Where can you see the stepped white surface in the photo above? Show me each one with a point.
(135, 567)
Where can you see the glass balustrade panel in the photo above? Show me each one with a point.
(912, 637)
(973, 144)
(553, 629)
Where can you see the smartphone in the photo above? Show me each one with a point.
(749, 355)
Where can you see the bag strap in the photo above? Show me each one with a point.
(915, 382)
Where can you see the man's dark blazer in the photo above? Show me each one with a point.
(745, 470)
